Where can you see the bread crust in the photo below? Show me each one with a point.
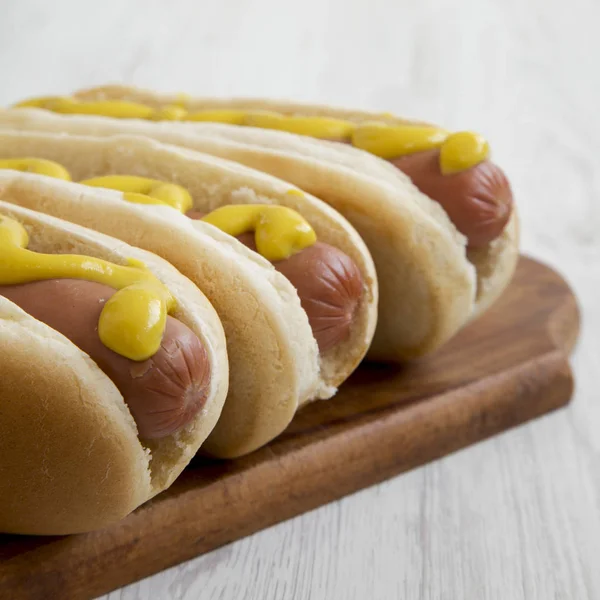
(494, 264)
(70, 457)
(212, 182)
(427, 286)
(273, 355)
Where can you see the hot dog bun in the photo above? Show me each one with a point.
(272, 151)
(70, 457)
(274, 360)
(212, 182)
(430, 284)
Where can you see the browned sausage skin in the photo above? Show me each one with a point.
(478, 200)
(163, 393)
(329, 285)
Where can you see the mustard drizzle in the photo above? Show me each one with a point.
(132, 321)
(458, 151)
(279, 232)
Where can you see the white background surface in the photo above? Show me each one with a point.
(517, 517)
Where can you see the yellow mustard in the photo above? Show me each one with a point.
(280, 232)
(38, 166)
(317, 127)
(392, 141)
(231, 117)
(171, 112)
(156, 191)
(135, 198)
(46, 102)
(118, 109)
(461, 151)
(295, 192)
(132, 321)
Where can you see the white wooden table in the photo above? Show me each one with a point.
(517, 517)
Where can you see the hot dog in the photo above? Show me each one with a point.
(289, 342)
(114, 370)
(163, 393)
(478, 199)
(328, 281)
(476, 196)
(434, 279)
(330, 287)
(329, 284)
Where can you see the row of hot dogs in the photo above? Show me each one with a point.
(181, 275)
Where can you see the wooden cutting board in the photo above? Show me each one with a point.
(506, 368)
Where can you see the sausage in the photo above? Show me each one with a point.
(478, 200)
(329, 285)
(163, 393)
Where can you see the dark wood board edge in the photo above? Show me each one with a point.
(298, 476)
(304, 476)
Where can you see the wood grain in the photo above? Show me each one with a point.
(507, 368)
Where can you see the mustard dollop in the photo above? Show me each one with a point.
(132, 321)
